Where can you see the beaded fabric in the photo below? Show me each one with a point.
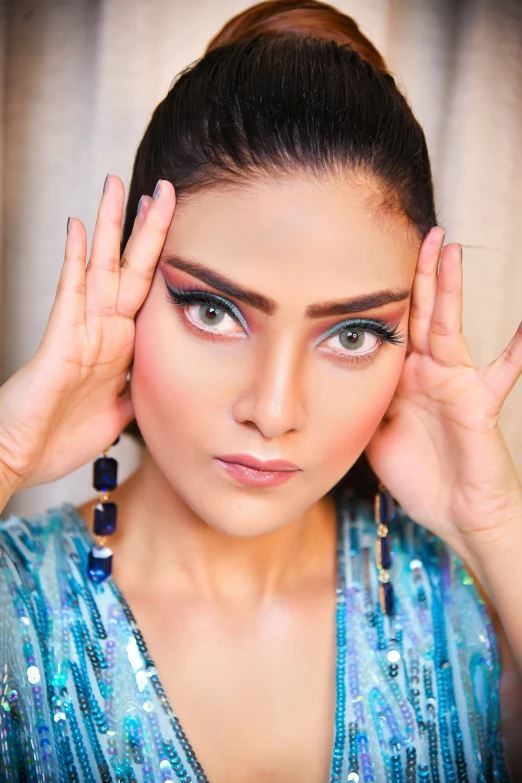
(80, 700)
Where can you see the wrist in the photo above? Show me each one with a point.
(497, 547)
(10, 482)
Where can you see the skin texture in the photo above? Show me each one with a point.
(232, 587)
(273, 393)
(246, 575)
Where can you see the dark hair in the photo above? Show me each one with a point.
(289, 87)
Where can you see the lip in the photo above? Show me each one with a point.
(271, 465)
(246, 469)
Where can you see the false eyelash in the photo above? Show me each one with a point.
(386, 332)
(201, 296)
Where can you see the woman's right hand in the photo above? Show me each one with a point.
(72, 399)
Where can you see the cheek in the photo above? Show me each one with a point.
(355, 410)
(163, 381)
(179, 386)
(154, 390)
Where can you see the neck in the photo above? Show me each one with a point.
(162, 545)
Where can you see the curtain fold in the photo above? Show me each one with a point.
(81, 79)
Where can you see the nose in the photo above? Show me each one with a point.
(273, 399)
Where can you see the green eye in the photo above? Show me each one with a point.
(208, 308)
(210, 315)
(352, 338)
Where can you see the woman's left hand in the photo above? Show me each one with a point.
(439, 449)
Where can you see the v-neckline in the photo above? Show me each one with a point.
(163, 702)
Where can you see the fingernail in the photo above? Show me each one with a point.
(68, 224)
(139, 205)
(156, 190)
(105, 183)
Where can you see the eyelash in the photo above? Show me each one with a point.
(383, 331)
(184, 298)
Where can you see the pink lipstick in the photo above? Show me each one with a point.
(247, 469)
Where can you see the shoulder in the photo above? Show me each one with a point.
(40, 563)
(510, 688)
(445, 613)
(429, 576)
(31, 590)
(27, 543)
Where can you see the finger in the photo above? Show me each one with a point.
(143, 208)
(447, 343)
(68, 309)
(103, 270)
(424, 290)
(143, 249)
(409, 346)
(502, 373)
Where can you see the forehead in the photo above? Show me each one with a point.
(319, 234)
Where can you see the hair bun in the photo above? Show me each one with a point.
(308, 17)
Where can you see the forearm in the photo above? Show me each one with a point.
(497, 559)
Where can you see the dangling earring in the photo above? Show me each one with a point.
(384, 513)
(105, 479)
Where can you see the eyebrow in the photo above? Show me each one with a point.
(269, 306)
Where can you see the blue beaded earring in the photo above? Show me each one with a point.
(105, 479)
(384, 513)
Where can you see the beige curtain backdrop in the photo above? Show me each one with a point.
(82, 77)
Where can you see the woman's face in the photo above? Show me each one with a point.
(285, 372)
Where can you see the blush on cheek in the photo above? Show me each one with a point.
(350, 439)
(155, 393)
(171, 395)
(354, 427)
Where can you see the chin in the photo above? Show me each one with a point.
(246, 511)
(246, 514)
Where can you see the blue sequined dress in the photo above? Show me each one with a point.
(417, 698)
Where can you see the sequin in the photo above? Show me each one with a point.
(417, 694)
(33, 674)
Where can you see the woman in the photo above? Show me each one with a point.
(280, 302)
